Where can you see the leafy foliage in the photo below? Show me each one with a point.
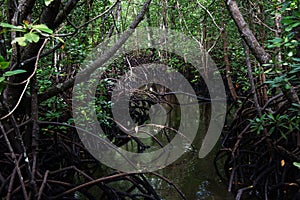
(86, 24)
(32, 32)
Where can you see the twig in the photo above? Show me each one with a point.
(170, 183)
(12, 177)
(240, 192)
(74, 168)
(91, 134)
(43, 185)
(13, 155)
(27, 82)
(18, 102)
(214, 22)
(250, 74)
(100, 15)
(92, 183)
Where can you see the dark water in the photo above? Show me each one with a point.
(195, 177)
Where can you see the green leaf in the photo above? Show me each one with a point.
(6, 25)
(283, 135)
(47, 2)
(296, 105)
(296, 164)
(271, 116)
(295, 24)
(32, 37)
(1, 88)
(287, 21)
(20, 40)
(287, 86)
(14, 72)
(285, 6)
(4, 65)
(2, 79)
(59, 39)
(296, 13)
(276, 40)
(260, 128)
(296, 59)
(43, 28)
(272, 130)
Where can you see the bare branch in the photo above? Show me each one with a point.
(14, 157)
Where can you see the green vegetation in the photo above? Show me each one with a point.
(45, 43)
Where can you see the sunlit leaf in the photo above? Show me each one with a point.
(20, 40)
(2, 79)
(276, 40)
(4, 65)
(32, 37)
(47, 2)
(6, 25)
(14, 72)
(296, 164)
(43, 28)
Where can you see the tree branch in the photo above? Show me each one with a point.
(70, 5)
(260, 54)
(106, 56)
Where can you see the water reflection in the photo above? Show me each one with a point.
(195, 177)
(203, 192)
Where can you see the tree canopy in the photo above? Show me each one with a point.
(45, 43)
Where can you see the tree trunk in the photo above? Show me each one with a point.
(227, 64)
(260, 54)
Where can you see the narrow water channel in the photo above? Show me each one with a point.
(195, 177)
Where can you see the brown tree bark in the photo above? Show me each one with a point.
(262, 77)
(260, 54)
(13, 92)
(257, 50)
(227, 64)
